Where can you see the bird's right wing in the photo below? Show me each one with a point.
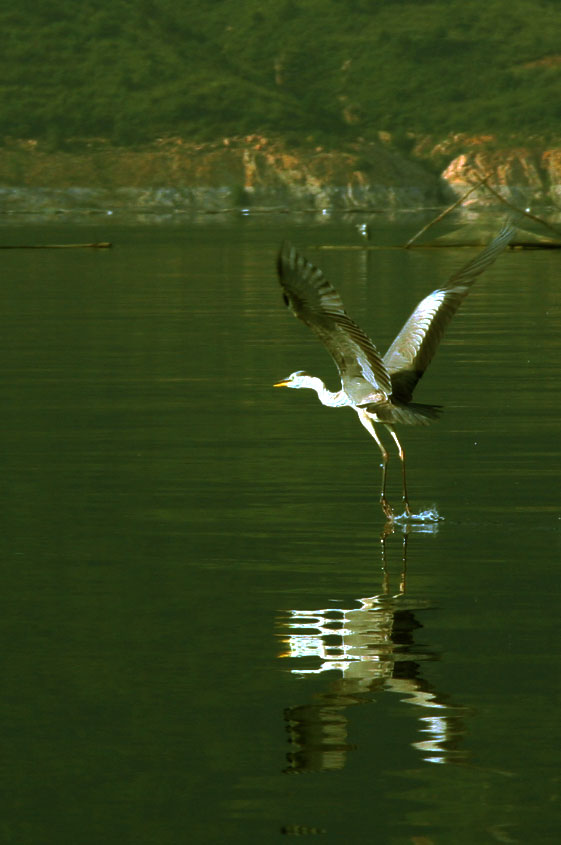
(412, 350)
(316, 302)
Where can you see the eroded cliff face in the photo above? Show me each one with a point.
(526, 174)
(234, 172)
(174, 174)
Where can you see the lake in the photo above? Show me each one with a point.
(206, 634)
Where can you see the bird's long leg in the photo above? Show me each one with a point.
(402, 459)
(369, 426)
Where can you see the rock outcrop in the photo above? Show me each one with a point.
(235, 172)
(173, 174)
(528, 174)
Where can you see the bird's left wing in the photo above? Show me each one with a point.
(413, 348)
(316, 302)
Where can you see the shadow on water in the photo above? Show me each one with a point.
(372, 647)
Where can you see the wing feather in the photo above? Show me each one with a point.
(315, 301)
(412, 350)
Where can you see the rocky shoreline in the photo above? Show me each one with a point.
(254, 172)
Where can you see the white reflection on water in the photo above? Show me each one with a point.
(371, 647)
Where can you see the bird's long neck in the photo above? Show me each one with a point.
(336, 399)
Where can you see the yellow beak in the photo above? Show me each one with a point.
(281, 383)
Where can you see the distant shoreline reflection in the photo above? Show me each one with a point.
(372, 648)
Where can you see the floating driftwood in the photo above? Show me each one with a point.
(524, 211)
(512, 245)
(99, 245)
(357, 247)
(449, 244)
(533, 243)
(479, 235)
(445, 212)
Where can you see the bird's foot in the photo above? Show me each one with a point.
(387, 531)
(387, 508)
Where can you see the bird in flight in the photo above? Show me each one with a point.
(379, 388)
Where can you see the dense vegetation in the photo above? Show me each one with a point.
(132, 70)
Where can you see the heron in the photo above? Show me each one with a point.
(379, 388)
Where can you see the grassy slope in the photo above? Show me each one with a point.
(131, 70)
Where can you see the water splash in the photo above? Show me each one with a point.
(427, 517)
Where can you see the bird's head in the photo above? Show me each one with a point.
(295, 380)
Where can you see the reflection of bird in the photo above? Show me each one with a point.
(366, 648)
(378, 388)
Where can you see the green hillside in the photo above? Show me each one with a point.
(330, 70)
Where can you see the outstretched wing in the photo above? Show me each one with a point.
(316, 302)
(411, 352)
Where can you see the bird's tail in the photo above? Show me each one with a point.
(419, 414)
(408, 413)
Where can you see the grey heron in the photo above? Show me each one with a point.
(379, 388)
